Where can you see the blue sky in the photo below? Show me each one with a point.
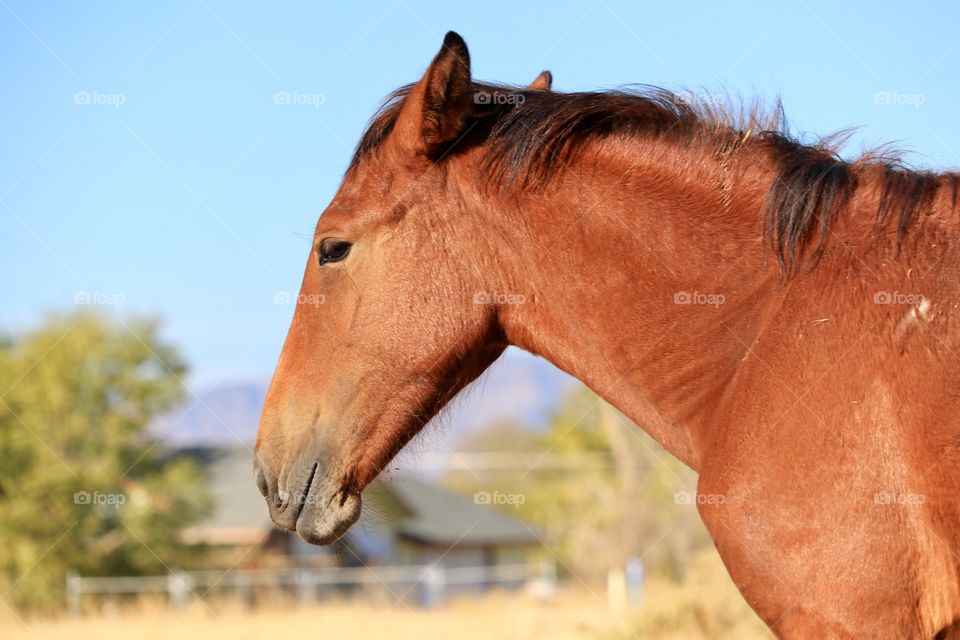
(145, 159)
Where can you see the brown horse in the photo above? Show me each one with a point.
(777, 317)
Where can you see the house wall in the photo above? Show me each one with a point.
(452, 558)
(511, 554)
(410, 552)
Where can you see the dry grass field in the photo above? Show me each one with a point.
(570, 616)
(705, 607)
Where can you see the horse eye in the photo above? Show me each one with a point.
(333, 250)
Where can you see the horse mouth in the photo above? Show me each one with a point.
(300, 498)
(325, 510)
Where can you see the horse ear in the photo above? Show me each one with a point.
(543, 82)
(436, 111)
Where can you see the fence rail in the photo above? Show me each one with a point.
(433, 580)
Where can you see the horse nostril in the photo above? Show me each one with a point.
(261, 479)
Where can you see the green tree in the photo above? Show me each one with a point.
(598, 487)
(83, 486)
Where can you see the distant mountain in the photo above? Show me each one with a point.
(518, 387)
(223, 415)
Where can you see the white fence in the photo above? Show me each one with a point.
(426, 585)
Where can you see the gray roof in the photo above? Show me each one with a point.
(439, 516)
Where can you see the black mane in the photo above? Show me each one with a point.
(532, 134)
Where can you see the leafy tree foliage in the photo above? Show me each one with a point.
(83, 486)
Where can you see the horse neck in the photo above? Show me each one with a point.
(647, 283)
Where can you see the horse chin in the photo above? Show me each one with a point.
(324, 521)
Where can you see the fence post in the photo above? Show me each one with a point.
(548, 571)
(178, 586)
(245, 588)
(304, 586)
(74, 587)
(433, 584)
(633, 571)
(543, 585)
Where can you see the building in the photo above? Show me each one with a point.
(406, 520)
